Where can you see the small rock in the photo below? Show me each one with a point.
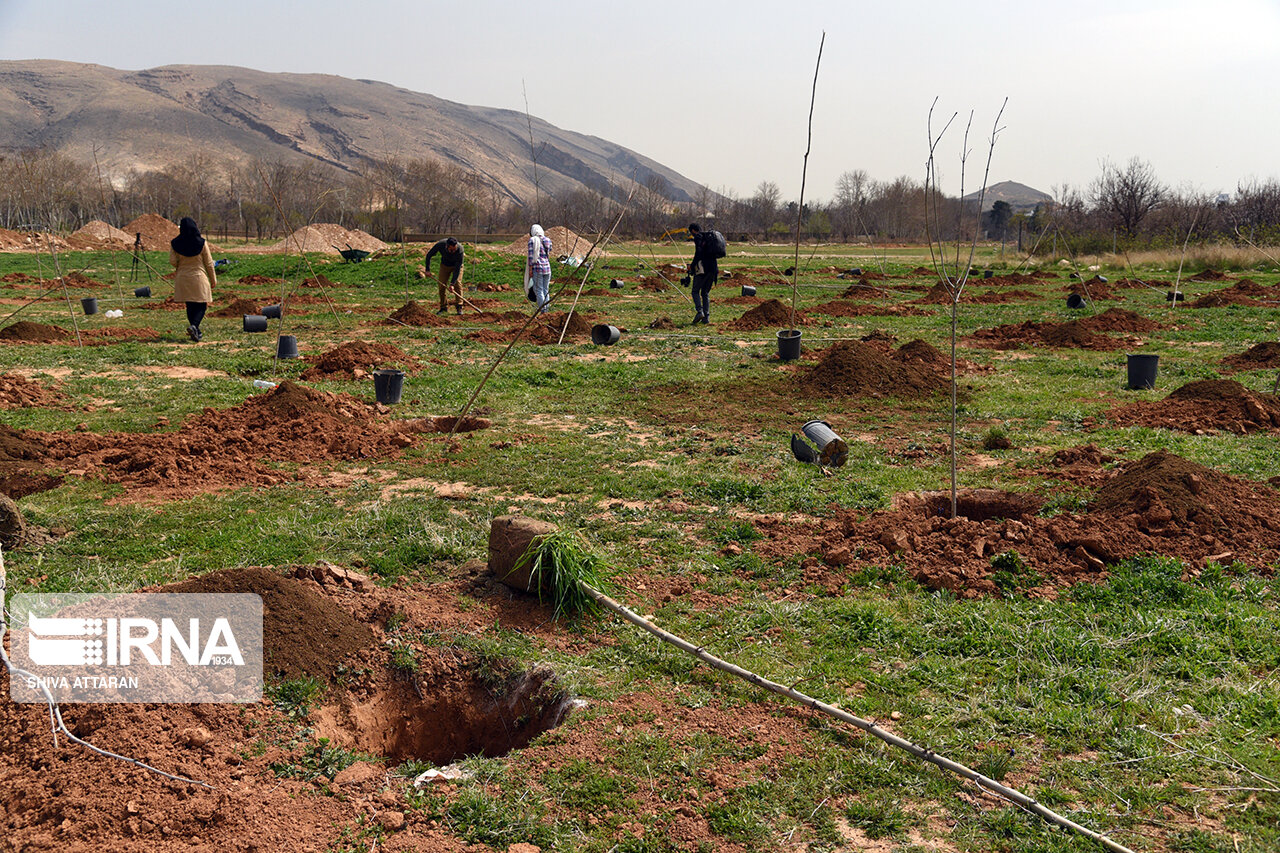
(358, 774)
(895, 715)
(391, 821)
(196, 737)
(838, 556)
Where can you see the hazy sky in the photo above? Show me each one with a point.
(719, 91)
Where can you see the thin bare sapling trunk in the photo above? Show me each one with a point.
(954, 280)
(804, 171)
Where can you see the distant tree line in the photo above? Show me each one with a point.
(1125, 206)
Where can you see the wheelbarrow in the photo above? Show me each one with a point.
(352, 256)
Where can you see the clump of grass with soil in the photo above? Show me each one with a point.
(562, 568)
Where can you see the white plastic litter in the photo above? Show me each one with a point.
(113, 314)
(451, 773)
(262, 383)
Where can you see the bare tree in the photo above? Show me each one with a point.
(1127, 194)
(850, 202)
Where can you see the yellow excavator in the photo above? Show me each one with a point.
(673, 232)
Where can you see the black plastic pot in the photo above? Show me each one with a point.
(255, 323)
(286, 346)
(272, 312)
(1142, 369)
(387, 385)
(1075, 300)
(748, 290)
(142, 292)
(789, 344)
(832, 450)
(615, 283)
(89, 304)
(605, 335)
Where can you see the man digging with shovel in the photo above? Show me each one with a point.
(451, 255)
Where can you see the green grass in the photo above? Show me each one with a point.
(1132, 705)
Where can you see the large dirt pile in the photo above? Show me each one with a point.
(237, 308)
(857, 369)
(563, 242)
(18, 392)
(354, 359)
(156, 232)
(576, 327)
(1208, 404)
(767, 315)
(1075, 335)
(1261, 356)
(27, 331)
(29, 241)
(328, 239)
(97, 233)
(413, 314)
(303, 633)
(999, 544)
(228, 448)
(1118, 320)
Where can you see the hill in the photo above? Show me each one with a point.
(1019, 196)
(151, 119)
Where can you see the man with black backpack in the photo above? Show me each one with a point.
(708, 247)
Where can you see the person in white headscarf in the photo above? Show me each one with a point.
(537, 267)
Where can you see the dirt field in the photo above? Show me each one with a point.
(135, 457)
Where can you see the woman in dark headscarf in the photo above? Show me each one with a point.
(195, 278)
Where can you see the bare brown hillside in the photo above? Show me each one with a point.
(157, 117)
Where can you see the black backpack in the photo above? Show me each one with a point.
(716, 245)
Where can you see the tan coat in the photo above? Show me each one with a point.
(196, 279)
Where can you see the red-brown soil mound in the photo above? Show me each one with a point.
(998, 297)
(1160, 504)
(238, 308)
(25, 330)
(767, 315)
(856, 369)
(355, 359)
(256, 279)
(156, 231)
(219, 449)
(303, 633)
(413, 314)
(1209, 275)
(1074, 334)
(1209, 404)
(664, 324)
(18, 392)
(863, 290)
(1257, 357)
(22, 470)
(576, 327)
(1222, 299)
(1118, 320)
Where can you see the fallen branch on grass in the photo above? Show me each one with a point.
(868, 726)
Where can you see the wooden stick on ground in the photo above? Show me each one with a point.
(868, 726)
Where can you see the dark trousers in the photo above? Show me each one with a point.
(702, 293)
(195, 312)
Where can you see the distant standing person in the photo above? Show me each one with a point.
(194, 278)
(537, 266)
(450, 252)
(705, 271)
